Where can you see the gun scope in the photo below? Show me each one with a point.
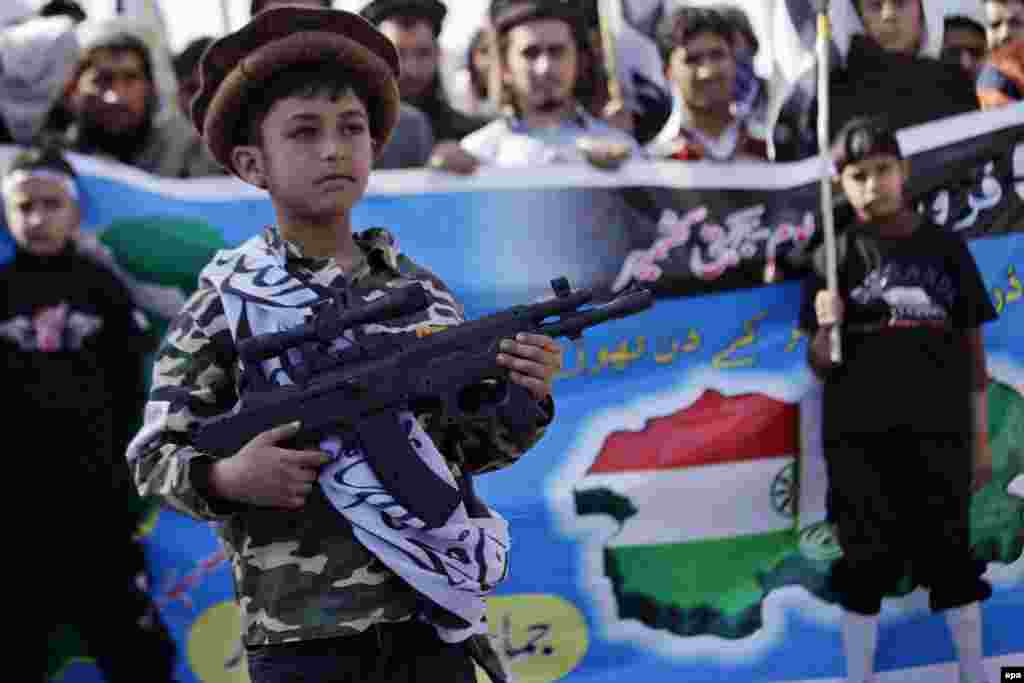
(404, 301)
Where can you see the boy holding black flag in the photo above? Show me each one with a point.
(905, 415)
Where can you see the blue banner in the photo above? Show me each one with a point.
(669, 526)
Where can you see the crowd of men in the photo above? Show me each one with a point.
(553, 87)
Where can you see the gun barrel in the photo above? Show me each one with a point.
(561, 304)
(621, 307)
(404, 301)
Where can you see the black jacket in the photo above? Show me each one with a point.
(448, 123)
(907, 90)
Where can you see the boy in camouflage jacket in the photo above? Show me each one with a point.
(299, 102)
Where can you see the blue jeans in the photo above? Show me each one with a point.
(409, 652)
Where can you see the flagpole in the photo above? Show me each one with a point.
(825, 152)
(225, 16)
(609, 16)
(495, 86)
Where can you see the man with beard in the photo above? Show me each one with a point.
(697, 47)
(542, 52)
(414, 26)
(113, 100)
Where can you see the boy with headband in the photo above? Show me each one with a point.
(72, 347)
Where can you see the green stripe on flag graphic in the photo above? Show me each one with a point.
(687, 575)
(997, 519)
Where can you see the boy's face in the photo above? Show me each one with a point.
(874, 186)
(541, 65)
(896, 25)
(42, 215)
(1005, 20)
(704, 71)
(315, 157)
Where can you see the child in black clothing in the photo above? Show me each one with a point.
(905, 419)
(72, 350)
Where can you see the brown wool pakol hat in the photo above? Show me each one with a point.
(282, 37)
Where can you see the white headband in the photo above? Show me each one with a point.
(17, 177)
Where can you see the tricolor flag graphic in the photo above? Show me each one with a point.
(712, 519)
(706, 501)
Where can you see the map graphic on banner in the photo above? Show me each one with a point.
(669, 524)
(705, 500)
(745, 445)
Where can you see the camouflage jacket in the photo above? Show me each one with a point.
(298, 574)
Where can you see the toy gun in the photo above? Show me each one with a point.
(452, 373)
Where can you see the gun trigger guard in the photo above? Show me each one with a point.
(519, 410)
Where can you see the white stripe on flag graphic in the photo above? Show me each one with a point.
(703, 502)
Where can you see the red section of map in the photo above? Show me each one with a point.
(715, 429)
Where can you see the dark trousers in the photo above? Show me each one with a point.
(900, 502)
(409, 652)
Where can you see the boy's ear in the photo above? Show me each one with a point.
(250, 165)
(905, 168)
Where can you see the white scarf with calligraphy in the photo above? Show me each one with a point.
(456, 565)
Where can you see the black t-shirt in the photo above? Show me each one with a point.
(72, 348)
(906, 362)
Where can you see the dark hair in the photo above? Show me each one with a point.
(478, 83)
(118, 42)
(860, 10)
(63, 8)
(740, 22)
(186, 61)
(257, 6)
(964, 22)
(864, 137)
(304, 81)
(590, 13)
(410, 17)
(680, 27)
(507, 14)
(47, 157)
